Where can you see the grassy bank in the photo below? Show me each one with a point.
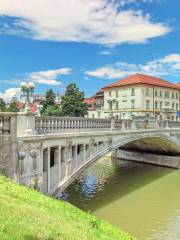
(27, 214)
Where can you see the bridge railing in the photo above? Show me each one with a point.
(27, 124)
(57, 124)
(4, 125)
(7, 123)
(174, 124)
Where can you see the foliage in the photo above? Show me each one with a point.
(49, 107)
(28, 214)
(49, 98)
(2, 105)
(72, 104)
(52, 111)
(13, 107)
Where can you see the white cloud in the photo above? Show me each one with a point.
(126, 2)
(9, 93)
(91, 21)
(167, 65)
(171, 58)
(49, 77)
(107, 52)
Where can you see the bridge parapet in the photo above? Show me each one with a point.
(27, 124)
(58, 124)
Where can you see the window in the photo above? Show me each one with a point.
(167, 104)
(160, 93)
(133, 103)
(160, 104)
(117, 93)
(176, 95)
(176, 106)
(156, 104)
(147, 104)
(132, 92)
(166, 94)
(117, 105)
(109, 93)
(147, 92)
(172, 95)
(172, 106)
(156, 93)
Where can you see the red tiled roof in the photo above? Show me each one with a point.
(33, 107)
(89, 100)
(178, 85)
(100, 93)
(142, 79)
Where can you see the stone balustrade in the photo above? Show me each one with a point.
(57, 124)
(4, 125)
(22, 124)
(6, 121)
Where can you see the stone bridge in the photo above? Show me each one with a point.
(50, 152)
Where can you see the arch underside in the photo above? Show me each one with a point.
(155, 143)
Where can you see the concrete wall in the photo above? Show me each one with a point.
(155, 159)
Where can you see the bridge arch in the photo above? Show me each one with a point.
(122, 141)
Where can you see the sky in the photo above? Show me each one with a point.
(91, 43)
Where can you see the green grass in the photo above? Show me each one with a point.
(27, 214)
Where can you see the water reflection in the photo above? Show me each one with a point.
(142, 199)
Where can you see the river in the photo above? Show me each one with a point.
(141, 199)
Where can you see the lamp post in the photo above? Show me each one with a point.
(167, 110)
(27, 89)
(111, 101)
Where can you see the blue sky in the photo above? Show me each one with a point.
(91, 43)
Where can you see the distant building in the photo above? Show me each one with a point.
(97, 110)
(33, 107)
(90, 102)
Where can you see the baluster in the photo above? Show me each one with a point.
(1, 125)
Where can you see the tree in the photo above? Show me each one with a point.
(52, 111)
(72, 103)
(49, 107)
(2, 105)
(49, 101)
(13, 107)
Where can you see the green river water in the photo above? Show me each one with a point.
(141, 199)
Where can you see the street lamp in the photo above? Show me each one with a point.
(110, 100)
(27, 89)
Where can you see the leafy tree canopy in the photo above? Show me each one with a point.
(49, 103)
(2, 105)
(72, 104)
(52, 111)
(13, 107)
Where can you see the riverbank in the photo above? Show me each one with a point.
(27, 214)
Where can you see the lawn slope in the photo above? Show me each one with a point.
(27, 214)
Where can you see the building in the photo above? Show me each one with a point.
(91, 103)
(142, 95)
(33, 108)
(97, 106)
(138, 95)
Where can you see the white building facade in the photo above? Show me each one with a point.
(141, 95)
